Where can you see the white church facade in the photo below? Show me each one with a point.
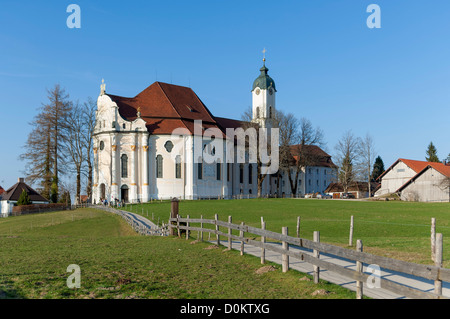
(147, 147)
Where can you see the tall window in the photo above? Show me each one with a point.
(228, 171)
(218, 171)
(124, 164)
(241, 173)
(178, 166)
(159, 166)
(200, 170)
(250, 173)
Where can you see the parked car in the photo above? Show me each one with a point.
(348, 196)
(324, 196)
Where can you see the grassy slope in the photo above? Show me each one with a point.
(116, 263)
(395, 229)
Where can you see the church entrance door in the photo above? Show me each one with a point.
(124, 193)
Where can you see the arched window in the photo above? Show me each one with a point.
(257, 112)
(159, 166)
(270, 112)
(178, 166)
(124, 165)
(250, 173)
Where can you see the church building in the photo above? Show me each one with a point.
(146, 147)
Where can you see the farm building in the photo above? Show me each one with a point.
(416, 180)
(430, 185)
(358, 189)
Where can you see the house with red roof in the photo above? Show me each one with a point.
(416, 180)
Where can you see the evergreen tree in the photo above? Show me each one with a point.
(378, 168)
(24, 199)
(43, 149)
(432, 153)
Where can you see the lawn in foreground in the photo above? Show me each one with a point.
(393, 229)
(36, 250)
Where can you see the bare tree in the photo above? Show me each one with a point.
(366, 155)
(89, 122)
(297, 141)
(247, 123)
(346, 149)
(445, 185)
(73, 144)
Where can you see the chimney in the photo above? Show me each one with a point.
(21, 180)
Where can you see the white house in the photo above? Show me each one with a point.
(159, 145)
(12, 195)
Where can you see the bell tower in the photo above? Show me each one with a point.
(263, 98)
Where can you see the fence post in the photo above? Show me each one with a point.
(229, 233)
(173, 213)
(284, 257)
(201, 228)
(433, 239)
(216, 218)
(438, 262)
(263, 242)
(359, 268)
(350, 239)
(241, 234)
(316, 254)
(187, 228)
(298, 226)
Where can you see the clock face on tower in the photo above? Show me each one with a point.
(257, 91)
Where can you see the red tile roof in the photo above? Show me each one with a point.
(321, 158)
(416, 166)
(166, 107)
(440, 167)
(1, 190)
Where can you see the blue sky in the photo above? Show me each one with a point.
(393, 82)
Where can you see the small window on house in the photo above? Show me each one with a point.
(124, 125)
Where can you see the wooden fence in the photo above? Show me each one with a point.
(435, 273)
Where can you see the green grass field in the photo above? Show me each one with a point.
(35, 251)
(394, 229)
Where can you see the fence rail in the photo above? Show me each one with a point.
(435, 273)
